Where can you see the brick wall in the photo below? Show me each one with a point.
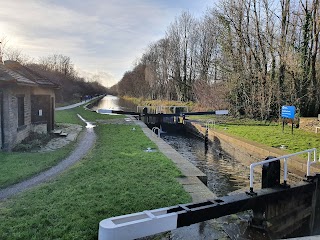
(13, 135)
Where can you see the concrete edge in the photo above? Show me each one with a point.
(257, 151)
(191, 181)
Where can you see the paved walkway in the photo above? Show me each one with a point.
(85, 144)
(76, 104)
(71, 106)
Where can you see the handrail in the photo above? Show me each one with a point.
(285, 167)
(154, 129)
(212, 122)
(161, 108)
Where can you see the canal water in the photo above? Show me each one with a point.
(224, 175)
(110, 102)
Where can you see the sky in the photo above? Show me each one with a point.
(103, 37)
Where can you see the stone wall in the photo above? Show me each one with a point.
(247, 151)
(39, 128)
(13, 134)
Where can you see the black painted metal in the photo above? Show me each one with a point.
(270, 173)
(178, 114)
(198, 212)
(125, 112)
(206, 139)
(199, 113)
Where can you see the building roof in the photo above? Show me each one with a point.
(12, 72)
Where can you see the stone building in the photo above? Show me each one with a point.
(27, 103)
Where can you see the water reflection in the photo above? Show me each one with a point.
(224, 173)
(110, 102)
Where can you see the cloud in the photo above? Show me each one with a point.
(102, 77)
(98, 35)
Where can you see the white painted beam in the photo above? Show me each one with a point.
(137, 225)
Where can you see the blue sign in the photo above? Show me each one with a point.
(288, 111)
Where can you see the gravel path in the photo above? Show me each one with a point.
(85, 144)
(75, 105)
(71, 106)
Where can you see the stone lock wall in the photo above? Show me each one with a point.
(247, 151)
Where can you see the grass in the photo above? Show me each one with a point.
(149, 102)
(70, 116)
(116, 178)
(17, 166)
(271, 134)
(72, 101)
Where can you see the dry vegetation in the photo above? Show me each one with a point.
(250, 56)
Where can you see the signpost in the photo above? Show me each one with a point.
(288, 112)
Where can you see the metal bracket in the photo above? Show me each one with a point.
(251, 193)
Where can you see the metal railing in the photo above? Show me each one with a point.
(212, 122)
(162, 109)
(154, 129)
(285, 164)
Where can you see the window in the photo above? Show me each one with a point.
(20, 111)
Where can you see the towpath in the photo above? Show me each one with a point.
(76, 104)
(84, 145)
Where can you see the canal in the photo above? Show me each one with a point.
(224, 175)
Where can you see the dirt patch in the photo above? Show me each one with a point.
(71, 133)
(309, 124)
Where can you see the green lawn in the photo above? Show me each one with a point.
(273, 136)
(70, 115)
(117, 177)
(18, 166)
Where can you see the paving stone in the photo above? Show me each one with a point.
(71, 132)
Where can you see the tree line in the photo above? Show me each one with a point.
(59, 69)
(251, 56)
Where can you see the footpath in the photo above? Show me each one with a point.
(75, 105)
(86, 142)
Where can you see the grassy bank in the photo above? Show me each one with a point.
(70, 116)
(271, 134)
(18, 166)
(149, 102)
(116, 178)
